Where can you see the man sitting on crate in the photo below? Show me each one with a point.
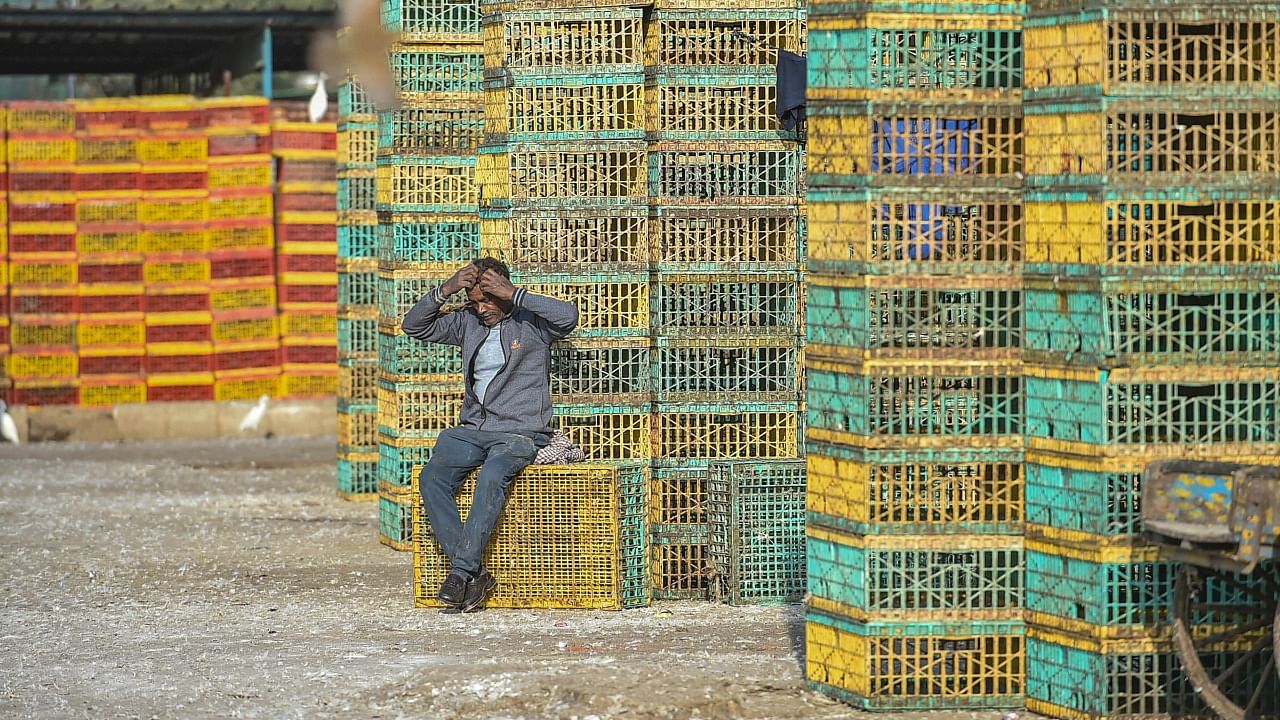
(506, 334)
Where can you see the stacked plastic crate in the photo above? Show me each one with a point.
(725, 228)
(111, 336)
(428, 228)
(4, 253)
(241, 241)
(357, 294)
(43, 295)
(914, 438)
(306, 258)
(174, 177)
(1152, 135)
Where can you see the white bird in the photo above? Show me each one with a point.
(253, 419)
(8, 428)
(319, 100)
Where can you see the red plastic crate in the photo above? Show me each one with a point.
(178, 113)
(236, 112)
(181, 298)
(50, 178)
(306, 202)
(243, 143)
(111, 268)
(108, 179)
(286, 138)
(56, 209)
(41, 301)
(194, 392)
(122, 298)
(106, 117)
(309, 354)
(246, 355)
(177, 177)
(112, 361)
(307, 171)
(307, 263)
(259, 262)
(177, 358)
(179, 328)
(308, 293)
(290, 233)
(40, 242)
(66, 393)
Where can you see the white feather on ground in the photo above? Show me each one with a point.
(8, 428)
(254, 417)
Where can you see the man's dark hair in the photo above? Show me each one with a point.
(488, 263)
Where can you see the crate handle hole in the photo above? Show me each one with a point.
(1194, 210)
(1195, 391)
(1203, 30)
(1193, 300)
(1197, 120)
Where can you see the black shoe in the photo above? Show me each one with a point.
(453, 590)
(479, 588)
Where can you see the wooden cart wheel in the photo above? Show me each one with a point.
(1229, 650)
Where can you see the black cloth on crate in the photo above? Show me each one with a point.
(793, 72)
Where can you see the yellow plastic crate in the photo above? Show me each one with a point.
(241, 206)
(240, 172)
(308, 381)
(112, 329)
(578, 565)
(309, 323)
(108, 390)
(246, 385)
(43, 331)
(357, 430)
(109, 241)
(160, 207)
(42, 149)
(241, 296)
(183, 147)
(40, 117)
(27, 366)
(177, 269)
(109, 149)
(246, 326)
(43, 269)
(108, 211)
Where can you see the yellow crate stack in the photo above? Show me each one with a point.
(41, 364)
(241, 244)
(306, 255)
(428, 226)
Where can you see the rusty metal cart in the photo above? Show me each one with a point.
(1221, 521)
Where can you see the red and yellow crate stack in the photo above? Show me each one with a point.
(42, 364)
(306, 252)
(241, 241)
(174, 152)
(111, 332)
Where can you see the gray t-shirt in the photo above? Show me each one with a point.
(489, 360)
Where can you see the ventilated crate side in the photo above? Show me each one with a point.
(615, 238)
(1186, 412)
(1167, 232)
(431, 127)
(408, 241)
(708, 239)
(738, 369)
(719, 173)
(913, 316)
(1110, 323)
(727, 304)
(915, 403)
(581, 107)
(1193, 50)
(756, 512)
(1152, 143)
(885, 144)
(913, 578)
(541, 41)
(729, 431)
(910, 492)
(601, 371)
(916, 665)
(915, 56)
(709, 36)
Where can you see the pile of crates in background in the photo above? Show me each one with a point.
(1152, 209)
(241, 242)
(357, 294)
(726, 227)
(306, 255)
(915, 324)
(44, 298)
(428, 227)
(144, 253)
(4, 254)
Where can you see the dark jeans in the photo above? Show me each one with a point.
(458, 451)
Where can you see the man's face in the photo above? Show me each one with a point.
(489, 309)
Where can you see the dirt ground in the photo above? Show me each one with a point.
(225, 579)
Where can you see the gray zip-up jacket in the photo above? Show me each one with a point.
(519, 396)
